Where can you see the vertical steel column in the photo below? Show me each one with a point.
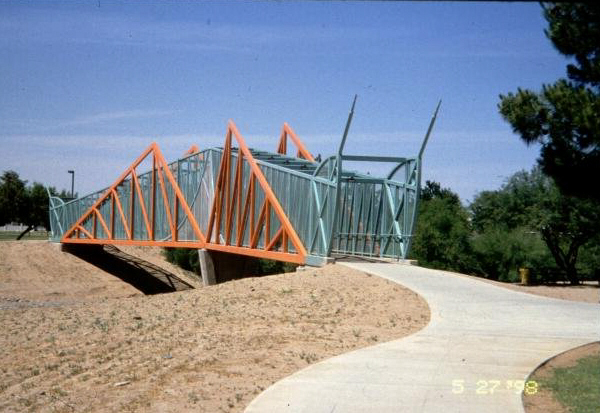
(338, 166)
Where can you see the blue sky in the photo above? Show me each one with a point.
(89, 85)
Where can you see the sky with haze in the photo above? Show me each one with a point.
(89, 85)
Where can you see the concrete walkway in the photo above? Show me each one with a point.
(481, 341)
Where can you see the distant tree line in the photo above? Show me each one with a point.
(24, 204)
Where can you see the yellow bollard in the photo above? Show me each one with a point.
(524, 273)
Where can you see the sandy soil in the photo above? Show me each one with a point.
(210, 349)
(587, 292)
(543, 401)
(39, 271)
(155, 256)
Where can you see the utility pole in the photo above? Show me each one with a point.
(72, 182)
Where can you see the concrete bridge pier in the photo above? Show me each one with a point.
(218, 267)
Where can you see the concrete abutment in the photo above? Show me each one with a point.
(217, 266)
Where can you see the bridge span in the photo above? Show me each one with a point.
(240, 200)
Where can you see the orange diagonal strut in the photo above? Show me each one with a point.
(286, 131)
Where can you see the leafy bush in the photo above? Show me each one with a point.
(186, 258)
(500, 252)
(532, 200)
(589, 260)
(266, 267)
(443, 231)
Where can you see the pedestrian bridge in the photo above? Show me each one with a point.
(252, 202)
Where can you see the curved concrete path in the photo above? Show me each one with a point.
(480, 340)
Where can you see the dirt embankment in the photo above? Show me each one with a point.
(39, 271)
(104, 346)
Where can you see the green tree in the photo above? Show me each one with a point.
(433, 190)
(13, 198)
(530, 202)
(499, 252)
(589, 258)
(22, 204)
(510, 206)
(35, 212)
(443, 232)
(64, 194)
(566, 224)
(563, 117)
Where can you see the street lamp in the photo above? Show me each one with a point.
(72, 182)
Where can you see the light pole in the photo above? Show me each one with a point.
(72, 182)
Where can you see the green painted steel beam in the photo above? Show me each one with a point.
(367, 158)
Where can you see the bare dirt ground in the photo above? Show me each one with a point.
(39, 271)
(544, 401)
(587, 292)
(82, 340)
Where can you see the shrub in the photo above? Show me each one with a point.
(266, 267)
(186, 258)
(442, 235)
(500, 252)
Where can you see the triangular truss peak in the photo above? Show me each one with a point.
(254, 219)
(192, 150)
(302, 152)
(136, 208)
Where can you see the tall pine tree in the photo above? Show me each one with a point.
(564, 117)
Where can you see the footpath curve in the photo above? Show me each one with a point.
(481, 341)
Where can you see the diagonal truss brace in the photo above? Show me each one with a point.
(229, 201)
(286, 131)
(78, 233)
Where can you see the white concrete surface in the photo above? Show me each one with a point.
(481, 341)
(207, 267)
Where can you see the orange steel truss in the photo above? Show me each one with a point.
(282, 147)
(230, 206)
(159, 167)
(229, 201)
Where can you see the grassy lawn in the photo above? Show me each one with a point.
(12, 235)
(577, 387)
